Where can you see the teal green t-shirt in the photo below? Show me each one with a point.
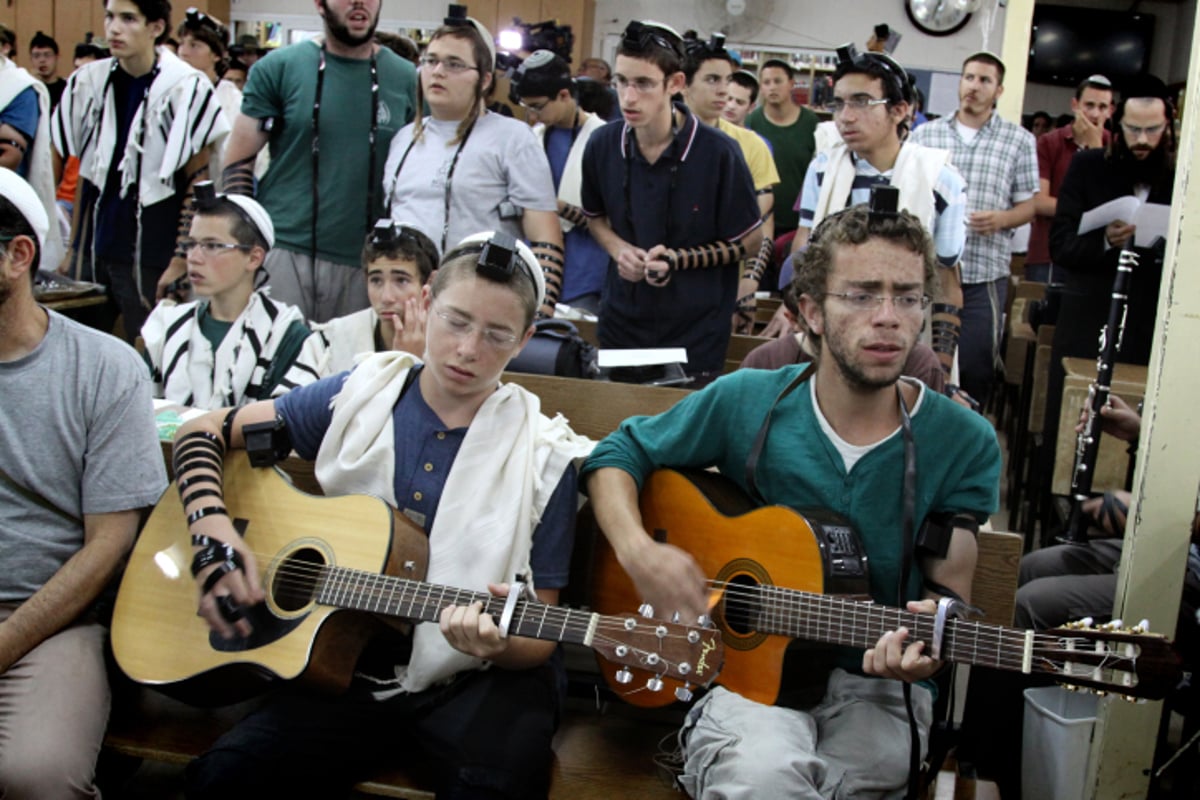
(214, 331)
(793, 147)
(283, 86)
(958, 462)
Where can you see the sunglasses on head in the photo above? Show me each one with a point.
(639, 37)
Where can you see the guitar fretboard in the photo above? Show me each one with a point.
(836, 620)
(398, 597)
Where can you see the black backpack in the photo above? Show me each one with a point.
(556, 349)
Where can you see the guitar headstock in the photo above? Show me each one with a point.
(1109, 658)
(690, 655)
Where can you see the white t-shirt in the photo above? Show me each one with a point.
(501, 162)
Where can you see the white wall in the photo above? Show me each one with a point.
(811, 24)
(820, 24)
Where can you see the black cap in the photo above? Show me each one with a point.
(1145, 85)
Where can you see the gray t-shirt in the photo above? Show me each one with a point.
(502, 161)
(77, 428)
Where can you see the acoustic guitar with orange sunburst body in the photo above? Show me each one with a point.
(780, 574)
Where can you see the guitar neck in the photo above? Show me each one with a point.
(397, 597)
(835, 620)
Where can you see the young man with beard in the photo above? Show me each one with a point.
(999, 161)
(142, 125)
(328, 108)
(673, 203)
(837, 436)
(81, 463)
(709, 69)
(1092, 106)
(872, 99)
(1140, 160)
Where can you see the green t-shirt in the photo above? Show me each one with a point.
(214, 330)
(283, 86)
(958, 462)
(793, 147)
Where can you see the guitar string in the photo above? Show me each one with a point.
(376, 590)
(384, 589)
(985, 635)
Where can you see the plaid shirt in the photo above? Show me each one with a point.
(1000, 165)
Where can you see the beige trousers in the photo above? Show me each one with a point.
(54, 706)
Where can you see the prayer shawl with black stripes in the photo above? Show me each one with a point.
(187, 371)
(181, 114)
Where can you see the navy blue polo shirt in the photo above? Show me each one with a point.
(425, 451)
(698, 191)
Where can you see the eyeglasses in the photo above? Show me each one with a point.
(211, 248)
(452, 65)
(640, 85)
(865, 301)
(854, 104)
(1150, 131)
(536, 108)
(461, 328)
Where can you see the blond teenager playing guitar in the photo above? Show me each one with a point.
(476, 465)
(839, 438)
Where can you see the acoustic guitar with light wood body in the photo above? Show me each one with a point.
(751, 554)
(322, 559)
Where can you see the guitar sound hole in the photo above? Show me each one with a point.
(296, 579)
(742, 605)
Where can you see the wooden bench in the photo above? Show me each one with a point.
(602, 750)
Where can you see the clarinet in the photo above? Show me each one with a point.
(1087, 442)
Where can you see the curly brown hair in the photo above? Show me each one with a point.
(855, 226)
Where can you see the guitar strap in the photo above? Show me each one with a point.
(760, 439)
(909, 523)
(908, 526)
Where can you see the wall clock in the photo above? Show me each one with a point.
(939, 17)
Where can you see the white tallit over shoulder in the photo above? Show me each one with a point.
(343, 340)
(915, 174)
(182, 117)
(509, 465)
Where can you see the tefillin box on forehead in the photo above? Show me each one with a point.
(884, 203)
(499, 259)
(204, 196)
(456, 15)
(385, 233)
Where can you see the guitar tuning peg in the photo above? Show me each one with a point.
(1115, 625)
(646, 610)
(655, 684)
(704, 620)
(1142, 627)
(675, 617)
(1086, 622)
(693, 637)
(683, 693)
(623, 676)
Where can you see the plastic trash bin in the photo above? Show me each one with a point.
(1057, 740)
